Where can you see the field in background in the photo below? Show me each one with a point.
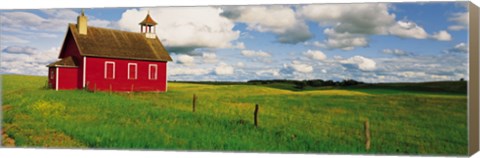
(402, 121)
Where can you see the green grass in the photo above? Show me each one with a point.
(313, 121)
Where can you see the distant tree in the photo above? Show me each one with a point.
(462, 79)
(300, 84)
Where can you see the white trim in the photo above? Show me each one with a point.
(84, 70)
(105, 69)
(150, 71)
(136, 71)
(56, 78)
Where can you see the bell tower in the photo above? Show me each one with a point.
(82, 23)
(147, 26)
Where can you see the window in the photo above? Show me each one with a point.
(132, 71)
(152, 71)
(52, 74)
(109, 70)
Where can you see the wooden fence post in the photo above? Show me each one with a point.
(255, 114)
(194, 102)
(367, 135)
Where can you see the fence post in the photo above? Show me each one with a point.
(367, 135)
(255, 114)
(194, 102)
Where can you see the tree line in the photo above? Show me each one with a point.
(301, 84)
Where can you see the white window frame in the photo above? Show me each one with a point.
(105, 69)
(155, 77)
(136, 71)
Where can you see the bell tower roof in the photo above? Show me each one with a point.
(148, 21)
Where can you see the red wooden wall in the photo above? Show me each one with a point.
(95, 75)
(67, 78)
(70, 48)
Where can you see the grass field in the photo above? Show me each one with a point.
(313, 121)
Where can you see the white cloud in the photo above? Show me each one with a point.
(442, 36)
(56, 20)
(315, 54)
(252, 53)
(12, 39)
(20, 50)
(350, 24)
(459, 48)
(268, 72)
(185, 59)
(209, 57)
(240, 64)
(367, 18)
(185, 28)
(224, 69)
(344, 41)
(408, 29)
(296, 66)
(461, 20)
(176, 71)
(360, 62)
(239, 45)
(396, 52)
(278, 19)
(32, 62)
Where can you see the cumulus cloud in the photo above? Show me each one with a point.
(344, 41)
(459, 48)
(351, 18)
(12, 39)
(209, 57)
(268, 72)
(396, 52)
(278, 19)
(179, 71)
(252, 53)
(20, 50)
(32, 62)
(296, 66)
(55, 20)
(442, 36)
(350, 24)
(224, 69)
(183, 29)
(460, 19)
(360, 62)
(408, 29)
(315, 54)
(185, 59)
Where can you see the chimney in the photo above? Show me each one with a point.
(82, 23)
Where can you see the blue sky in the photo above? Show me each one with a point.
(371, 42)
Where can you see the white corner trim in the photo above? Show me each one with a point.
(155, 76)
(84, 70)
(136, 71)
(105, 69)
(56, 78)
